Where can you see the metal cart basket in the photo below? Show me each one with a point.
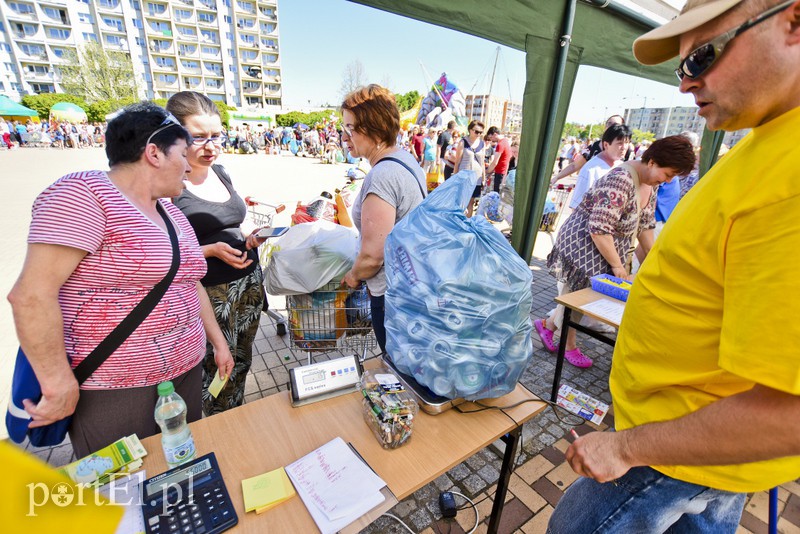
(262, 214)
(556, 202)
(334, 318)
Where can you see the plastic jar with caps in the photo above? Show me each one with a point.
(388, 408)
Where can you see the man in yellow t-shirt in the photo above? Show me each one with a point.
(706, 372)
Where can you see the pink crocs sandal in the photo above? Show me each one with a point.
(546, 335)
(577, 358)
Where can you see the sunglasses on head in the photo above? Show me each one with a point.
(168, 121)
(703, 57)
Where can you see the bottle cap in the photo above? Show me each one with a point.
(165, 388)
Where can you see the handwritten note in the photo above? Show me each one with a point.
(610, 310)
(336, 486)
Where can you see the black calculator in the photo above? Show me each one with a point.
(191, 498)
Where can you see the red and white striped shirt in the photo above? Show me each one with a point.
(127, 255)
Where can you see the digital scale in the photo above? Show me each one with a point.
(190, 498)
(324, 380)
(429, 402)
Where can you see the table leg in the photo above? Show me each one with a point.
(511, 440)
(562, 348)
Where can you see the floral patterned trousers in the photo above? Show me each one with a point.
(237, 307)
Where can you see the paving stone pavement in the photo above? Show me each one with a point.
(541, 475)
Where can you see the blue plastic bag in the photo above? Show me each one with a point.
(458, 298)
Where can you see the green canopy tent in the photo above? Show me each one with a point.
(11, 110)
(557, 36)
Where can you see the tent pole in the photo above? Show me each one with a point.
(623, 11)
(711, 143)
(542, 174)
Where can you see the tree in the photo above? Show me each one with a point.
(98, 111)
(98, 74)
(42, 103)
(309, 119)
(639, 136)
(406, 101)
(352, 78)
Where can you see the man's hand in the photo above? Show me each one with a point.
(58, 401)
(602, 456)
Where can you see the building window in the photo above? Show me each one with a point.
(138, 24)
(10, 67)
(2, 86)
(113, 40)
(167, 78)
(89, 37)
(136, 5)
(228, 19)
(139, 41)
(85, 17)
(113, 23)
(22, 9)
(108, 3)
(206, 17)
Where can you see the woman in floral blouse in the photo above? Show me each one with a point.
(597, 237)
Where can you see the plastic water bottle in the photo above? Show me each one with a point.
(176, 437)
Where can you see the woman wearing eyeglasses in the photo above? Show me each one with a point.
(99, 242)
(394, 186)
(216, 213)
(470, 156)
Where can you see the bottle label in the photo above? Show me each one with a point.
(180, 453)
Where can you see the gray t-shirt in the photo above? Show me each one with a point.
(393, 184)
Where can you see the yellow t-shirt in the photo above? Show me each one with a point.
(715, 308)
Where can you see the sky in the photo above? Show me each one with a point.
(320, 38)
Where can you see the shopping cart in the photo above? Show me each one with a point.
(334, 318)
(554, 205)
(262, 214)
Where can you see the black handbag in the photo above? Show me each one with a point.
(25, 385)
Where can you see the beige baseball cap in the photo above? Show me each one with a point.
(662, 44)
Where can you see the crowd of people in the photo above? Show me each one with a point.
(691, 360)
(53, 133)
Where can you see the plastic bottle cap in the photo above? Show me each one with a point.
(165, 388)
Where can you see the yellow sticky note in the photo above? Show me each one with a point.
(262, 492)
(217, 384)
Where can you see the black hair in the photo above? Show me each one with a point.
(616, 131)
(493, 130)
(128, 131)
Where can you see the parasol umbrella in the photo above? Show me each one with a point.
(300, 125)
(67, 111)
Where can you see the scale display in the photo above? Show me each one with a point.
(323, 380)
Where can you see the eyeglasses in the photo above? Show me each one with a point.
(203, 141)
(348, 129)
(168, 121)
(703, 57)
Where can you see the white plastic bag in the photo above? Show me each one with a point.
(308, 256)
(458, 298)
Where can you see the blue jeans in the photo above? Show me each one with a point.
(645, 501)
(377, 312)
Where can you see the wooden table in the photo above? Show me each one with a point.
(269, 433)
(575, 301)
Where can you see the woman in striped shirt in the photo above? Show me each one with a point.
(97, 245)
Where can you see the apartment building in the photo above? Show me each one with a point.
(494, 111)
(671, 121)
(227, 49)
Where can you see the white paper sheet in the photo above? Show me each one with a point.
(611, 310)
(126, 491)
(336, 486)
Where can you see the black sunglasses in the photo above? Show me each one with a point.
(701, 58)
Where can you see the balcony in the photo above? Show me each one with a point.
(251, 89)
(186, 36)
(28, 36)
(212, 69)
(210, 4)
(214, 84)
(33, 54)
(192, 82)
(38, 76)
(245, 7)
(112, 6)
(13, 14)
(211, 55)
(187, 51)
(55, 16)
(164, 67)
(272, 90)
(268, 13)
(158, 11)
(248, 56)
(183, 19)
(190, 69)
(209, 38)
(270, 59)
(162, 47)
(161, 30)
(165, 85)
(246, 24)
(207, 19)
(267, 27)
(187, 2)
(117, 28)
